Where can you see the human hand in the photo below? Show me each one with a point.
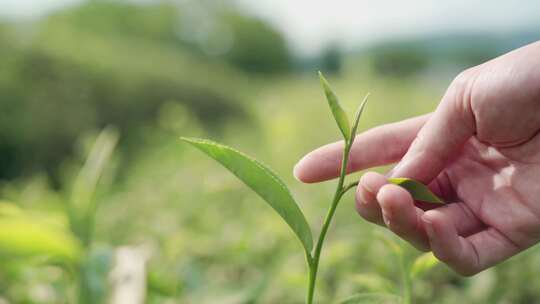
(480, 151)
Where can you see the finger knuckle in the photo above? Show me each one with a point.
(459, 97)
(460, 91)
(464, 79)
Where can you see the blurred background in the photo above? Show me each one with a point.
(101, 203)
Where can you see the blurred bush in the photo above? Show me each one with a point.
(115, 63)
(256, 47)
(210, 30)
(398, 60)
(331, 60)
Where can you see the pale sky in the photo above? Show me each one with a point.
(311, 24)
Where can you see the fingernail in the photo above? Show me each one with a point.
(362, 194)
(387, 218)
(365, 186)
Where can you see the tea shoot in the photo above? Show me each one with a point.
(273, 190)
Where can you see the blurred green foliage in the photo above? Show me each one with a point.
(398, 60)
(331, 60)
(159, 70)
(209, 30)
(71, 78)
(256, 47)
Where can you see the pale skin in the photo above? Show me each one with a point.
(479, 150)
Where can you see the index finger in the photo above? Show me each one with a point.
(376, 147)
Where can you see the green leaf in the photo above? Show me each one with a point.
(418, 191)
(357, 118)
(422, 264)
(86, 182)
(338, 112)
(261, 180)
(23, 236)
(373, 298)
(83, 206)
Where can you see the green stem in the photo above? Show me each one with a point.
(340, 190)
(349, 187)
(406, 280)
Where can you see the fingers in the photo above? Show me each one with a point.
(447, 245)
(462, 217)
(454, 234)
(375, 147)
(443, 230)
(470, 255)
(392, 206)
(366, 197)
(443, 135)
(401, 216)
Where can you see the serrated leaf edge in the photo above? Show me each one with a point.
(265, 168)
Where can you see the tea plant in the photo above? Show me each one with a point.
(65, 239)
(271, 188)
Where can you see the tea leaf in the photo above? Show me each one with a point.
(339, 114)
(86, 183)
(357, 118)
(261, 180)
(418, 191)
(373, 298)
(24, 236)
(82, 207)
(422, 264)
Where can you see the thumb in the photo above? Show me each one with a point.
(443, 135)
